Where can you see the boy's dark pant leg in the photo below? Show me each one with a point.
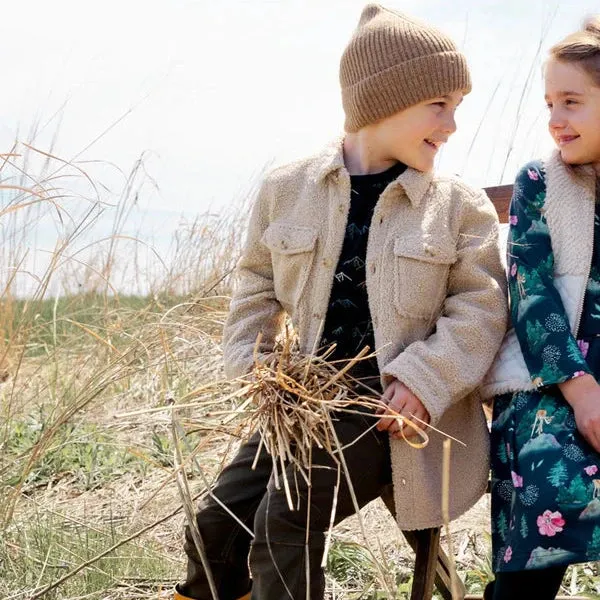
(226, 542)
(283, 542)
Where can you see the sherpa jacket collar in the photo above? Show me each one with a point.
(414, 183)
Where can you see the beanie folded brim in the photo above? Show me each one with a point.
(403, 85)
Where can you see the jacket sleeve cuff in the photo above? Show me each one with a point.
(423, 383)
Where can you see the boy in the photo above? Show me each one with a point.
(362, 245)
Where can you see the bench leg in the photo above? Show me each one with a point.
(427, 542)
(424, 541)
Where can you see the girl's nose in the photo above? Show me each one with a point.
(556, 120)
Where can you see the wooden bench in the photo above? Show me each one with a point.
(500, 195)
(432, 565)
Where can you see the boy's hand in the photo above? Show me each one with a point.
(583, 394)
(400, 399)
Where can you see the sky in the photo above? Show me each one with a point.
(214, 93)
(219, 91)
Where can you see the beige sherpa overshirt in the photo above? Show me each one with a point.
(436, 295)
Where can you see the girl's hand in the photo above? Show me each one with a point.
(400, 399)
(583, 394)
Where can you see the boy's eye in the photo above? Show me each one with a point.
(570, 101)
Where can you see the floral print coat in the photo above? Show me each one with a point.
(545, 482)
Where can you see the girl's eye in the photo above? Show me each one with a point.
(549, 105)
(569, 101)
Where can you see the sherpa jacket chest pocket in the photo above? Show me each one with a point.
(292, 254)
(421, 264)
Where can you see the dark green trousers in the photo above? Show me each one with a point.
(285, 541)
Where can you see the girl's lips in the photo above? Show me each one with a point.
(565, 139)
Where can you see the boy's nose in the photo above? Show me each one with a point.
(450, 125)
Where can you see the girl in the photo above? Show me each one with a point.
(546, 420)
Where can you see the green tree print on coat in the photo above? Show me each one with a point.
(524, 530)
(558, 474)
(537, 334)
(573, 350)
(577, 493)
(501, 453)
(502, 525)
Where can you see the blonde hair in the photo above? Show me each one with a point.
(582, 47)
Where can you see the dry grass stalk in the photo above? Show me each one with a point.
(454, 588)
(188, 507)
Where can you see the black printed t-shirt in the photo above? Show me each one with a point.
(348, 321)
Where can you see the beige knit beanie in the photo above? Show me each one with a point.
(394, 61)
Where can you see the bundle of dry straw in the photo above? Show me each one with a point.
(295, 397)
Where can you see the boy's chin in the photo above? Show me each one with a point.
(422, 166)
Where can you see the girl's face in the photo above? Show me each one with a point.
(573, 99)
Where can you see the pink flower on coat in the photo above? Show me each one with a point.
(513, 269)
(533, 175)
(584, 347)
(507, 554)
(591, 469)
(517, 479)
(579, 374)
(550, 523)
(513, 219)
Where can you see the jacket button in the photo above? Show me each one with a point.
(373, 268)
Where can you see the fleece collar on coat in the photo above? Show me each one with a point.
(414, 183)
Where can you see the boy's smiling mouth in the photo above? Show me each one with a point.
(433, 143)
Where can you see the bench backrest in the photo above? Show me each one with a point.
(500, 195)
